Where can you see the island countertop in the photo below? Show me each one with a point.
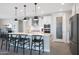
(31, 33)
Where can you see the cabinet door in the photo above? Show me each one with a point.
(73, 48)
(78, 34)
(74, 39)
(71, 33)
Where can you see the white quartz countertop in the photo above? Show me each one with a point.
(31, 33)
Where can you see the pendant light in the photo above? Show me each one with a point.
(35, 17)
(25, 18)
(16, 13)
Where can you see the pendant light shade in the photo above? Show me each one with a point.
(35, 3)
(35, 17)
(25, 18)
(16, 19)
(16, 14)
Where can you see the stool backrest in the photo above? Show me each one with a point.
(15, 36)
(36, 37)
(22, 36)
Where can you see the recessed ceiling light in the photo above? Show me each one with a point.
(62, 3)
(21, 10)
(38, 7)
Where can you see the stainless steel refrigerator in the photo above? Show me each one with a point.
(74, 34)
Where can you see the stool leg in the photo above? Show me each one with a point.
(23, 47)
(35, 46)
(43, 46)
(17, 46)
(14, 45)
(2, 44)
(9, 45)
(31, 49)
(6, 44)
(29, 44)
(39, 48)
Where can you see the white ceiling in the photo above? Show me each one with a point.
(7, 9)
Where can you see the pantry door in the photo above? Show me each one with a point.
(59, 29)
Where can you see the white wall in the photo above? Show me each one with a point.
(75, 9)
(68, 15)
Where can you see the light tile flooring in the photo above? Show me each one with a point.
(59, 48)
(56, 48)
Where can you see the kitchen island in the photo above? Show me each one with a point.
(46, 38)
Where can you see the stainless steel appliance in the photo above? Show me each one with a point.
(74, 34)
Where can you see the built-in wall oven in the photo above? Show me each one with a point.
(47, 28)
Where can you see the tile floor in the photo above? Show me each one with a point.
(59, 48)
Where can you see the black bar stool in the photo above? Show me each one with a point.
(13, 38)
(4, 38)
(37, 41)
(23, 40)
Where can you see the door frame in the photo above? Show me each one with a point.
(63, 28)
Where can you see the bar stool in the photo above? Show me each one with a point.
(23, 41)
(13, 38)
(37, 41)
(4, 38)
